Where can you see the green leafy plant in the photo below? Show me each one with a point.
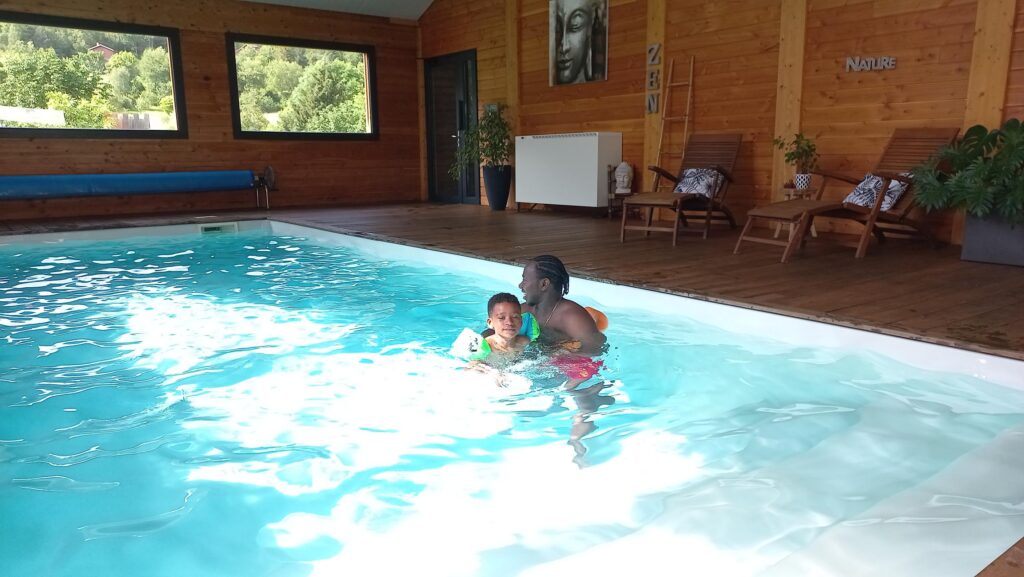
(488, 141)
(982, 173)
(800, 152)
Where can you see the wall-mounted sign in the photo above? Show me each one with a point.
(654, 55)
(653, 78)
(652, 102)
(862, 64)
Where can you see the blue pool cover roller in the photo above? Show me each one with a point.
(63, 185)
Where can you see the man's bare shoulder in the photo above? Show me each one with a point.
(573, 320)
(577, 324)
(571, 309)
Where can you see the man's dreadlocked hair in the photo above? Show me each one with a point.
(551, 268)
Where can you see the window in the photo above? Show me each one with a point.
(82, 78)
(284, 88)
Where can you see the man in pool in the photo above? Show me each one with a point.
(564, 324)
(572, 332)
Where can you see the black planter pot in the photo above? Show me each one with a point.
(497, 181)
(993, 240)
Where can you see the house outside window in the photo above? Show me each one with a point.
(68, 77)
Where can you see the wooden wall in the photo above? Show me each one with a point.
(310, 172)
(1015, 86)
(850, 115)
(458, 25)
(735, 45)
(612, 105)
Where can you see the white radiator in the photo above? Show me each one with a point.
(569, 169)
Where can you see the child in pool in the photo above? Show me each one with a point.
(505, 319)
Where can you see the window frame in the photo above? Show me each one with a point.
(371, 90)
(177, 78)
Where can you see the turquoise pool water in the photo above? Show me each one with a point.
(253, 404)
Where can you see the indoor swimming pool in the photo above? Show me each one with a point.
(268, 399)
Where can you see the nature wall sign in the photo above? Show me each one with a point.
(864, 64)
(578, 41)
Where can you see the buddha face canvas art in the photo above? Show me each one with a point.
(578, 41)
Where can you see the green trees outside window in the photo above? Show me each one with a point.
(300, 89)
(70, 77)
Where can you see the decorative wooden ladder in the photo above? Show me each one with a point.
(668, 119)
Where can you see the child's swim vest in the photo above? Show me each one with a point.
(473, 346)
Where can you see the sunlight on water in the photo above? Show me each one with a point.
(258, 405)
(176, 333)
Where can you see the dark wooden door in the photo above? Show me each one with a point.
(450, 83)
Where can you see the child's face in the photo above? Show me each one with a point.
(505, 319)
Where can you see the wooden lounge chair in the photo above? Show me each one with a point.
(907, 148)
(716, 152)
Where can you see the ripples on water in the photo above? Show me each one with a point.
(251, 405)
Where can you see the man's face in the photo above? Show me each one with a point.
(505, 319)
(573, 22)
(532, 285)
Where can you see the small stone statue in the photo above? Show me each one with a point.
(623, 178)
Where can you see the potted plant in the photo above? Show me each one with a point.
(488, 141)
(983, 174)
(802, 154)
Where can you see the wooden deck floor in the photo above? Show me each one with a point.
(905, 288)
